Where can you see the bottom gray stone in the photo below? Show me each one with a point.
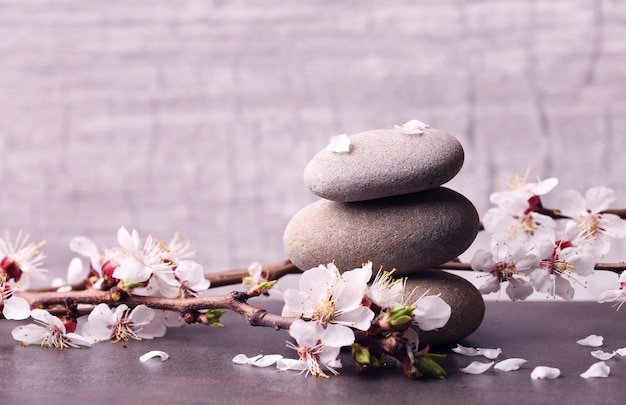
(468, 307)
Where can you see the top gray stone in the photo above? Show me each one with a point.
(385, 163)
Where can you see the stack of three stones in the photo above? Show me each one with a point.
(382, 201)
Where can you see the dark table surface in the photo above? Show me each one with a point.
(200, 369)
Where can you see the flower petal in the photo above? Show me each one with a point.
(465, 351)
(359, 318)
(243, 359)
(621, 352)
(29, 334)
(599, 369)
(432, 312)
(267, 360)
(591, 340)
(476, 367)
(543, 372)
(154, 353)
(491, 354)
(337, 336)
(339, 144)
(16, 308)
(290, 364)
(510, 364)
(602, 355)
(76, 272)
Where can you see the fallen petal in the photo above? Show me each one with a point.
(599, 369)
(542, 372)
(465, 351)
(602, 355)
(476, 367)
(268, 360)
(491, 354)
(243, 359)
(154, 353)
(591, 340)
(510, 364)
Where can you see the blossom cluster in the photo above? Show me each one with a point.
(334, 307)
(20, 263)
(532, 251)
(151, 268)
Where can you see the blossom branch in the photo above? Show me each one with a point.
(234, 301)
(457, 265)
(275, 271)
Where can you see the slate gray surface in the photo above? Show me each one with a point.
(200, 368)
(200, 116)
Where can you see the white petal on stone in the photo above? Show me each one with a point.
(465, 351)
(510, 364)
(266, 361)
(476, 367)
(243, 359)
(599, 369)
(411, 127)
(339, 144)
(543, 372)
(591, 340)
(154, 353)
(621, 352)
(602, 355)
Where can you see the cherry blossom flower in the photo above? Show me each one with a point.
(528, 227)
(122, 324)
(145, 266)
(339, 144)
(588, 212)
(334, 301)
(386, 291)
(21, 261)
(48, 331)
(193, 283)
(560, 261)
(313, 350)
(511, 262)
(521, 195)
(412, 127)
(179, 249)
(617, 297)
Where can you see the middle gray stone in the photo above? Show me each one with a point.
(408, 232)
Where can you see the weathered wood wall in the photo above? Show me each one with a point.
(200, 116)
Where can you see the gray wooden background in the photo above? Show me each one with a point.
(199, 116)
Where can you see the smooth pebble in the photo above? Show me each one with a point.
(383, 163)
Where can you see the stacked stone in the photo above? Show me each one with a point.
(382, 201)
